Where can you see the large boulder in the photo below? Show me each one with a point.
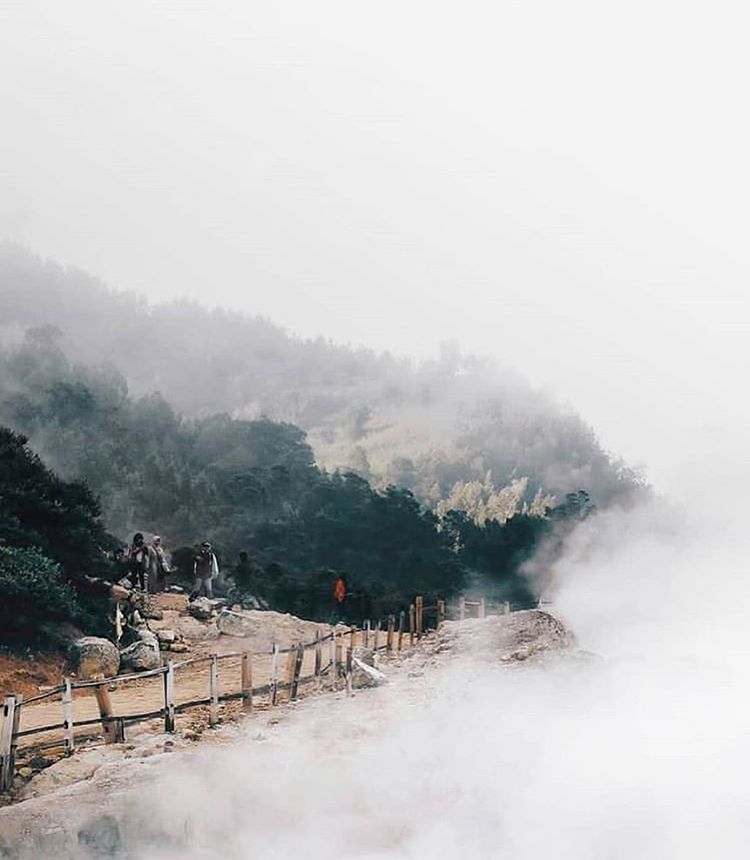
(509, 638)
(141, 655)
(364, 673)
(93, 656)
(233, 623)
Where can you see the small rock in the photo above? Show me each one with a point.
(200, 608)
(141, 656)
(146, 635)
(166, 636)
(179, 647)
(25, 772)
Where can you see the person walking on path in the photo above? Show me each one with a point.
(138, 563)
(205, 569)
(158, 564)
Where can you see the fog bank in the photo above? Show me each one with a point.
(633, 747)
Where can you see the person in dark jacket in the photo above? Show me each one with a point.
(138, 563)
(205, 569)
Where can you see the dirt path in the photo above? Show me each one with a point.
(192, 681)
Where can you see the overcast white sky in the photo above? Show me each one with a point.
(564, 185)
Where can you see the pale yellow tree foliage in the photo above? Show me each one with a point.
(482, 501)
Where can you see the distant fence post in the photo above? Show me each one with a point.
(299, 656)
(338, 654)
(506, 607)
(461, 608)
(401, 621)
(482, 613)
(389, 637)
(67, 703)
(377, 634)
(6, 743)
(247, 681)
(419, 611)
(349, 672)
(412, 623)
(353, 635)
(291, 659)
(366, 626)
(332, 654)
(213, 682)
(440, 613)
(274, 679)
(318, 660)
(169, 722)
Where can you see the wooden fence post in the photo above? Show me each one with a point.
(440, 613)
(332, 654)
(14, 727)
(338, 654)
(318, 660)
(213, 681)
(7, 764)
(104, 701)
(482, 613)
(401, 620)
(389, 637)
(378, 627)
(349, 672)
(291, 659)
(506, 607)
(366, 626)
(353, 634)
(169, 721)
(274, 679)
(299, 656)
(461, 608)
(419, 610)
(67, 703)
(247, 681)
(412, 623)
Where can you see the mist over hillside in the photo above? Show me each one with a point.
(458, 430)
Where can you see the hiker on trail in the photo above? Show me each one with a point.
(205, 568)
(339, 597)
(158, 564)
(138, 563)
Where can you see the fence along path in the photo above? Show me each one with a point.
(101, 709)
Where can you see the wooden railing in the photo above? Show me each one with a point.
(332, 660)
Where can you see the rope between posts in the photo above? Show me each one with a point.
(53, 692)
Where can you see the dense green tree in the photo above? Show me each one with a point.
(34, 594)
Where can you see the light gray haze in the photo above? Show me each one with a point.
(560, 185)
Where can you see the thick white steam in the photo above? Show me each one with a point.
(636, 746)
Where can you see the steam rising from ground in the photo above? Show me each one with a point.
(639, 751)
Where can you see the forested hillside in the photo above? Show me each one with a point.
(245, 485)
(458, 431)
